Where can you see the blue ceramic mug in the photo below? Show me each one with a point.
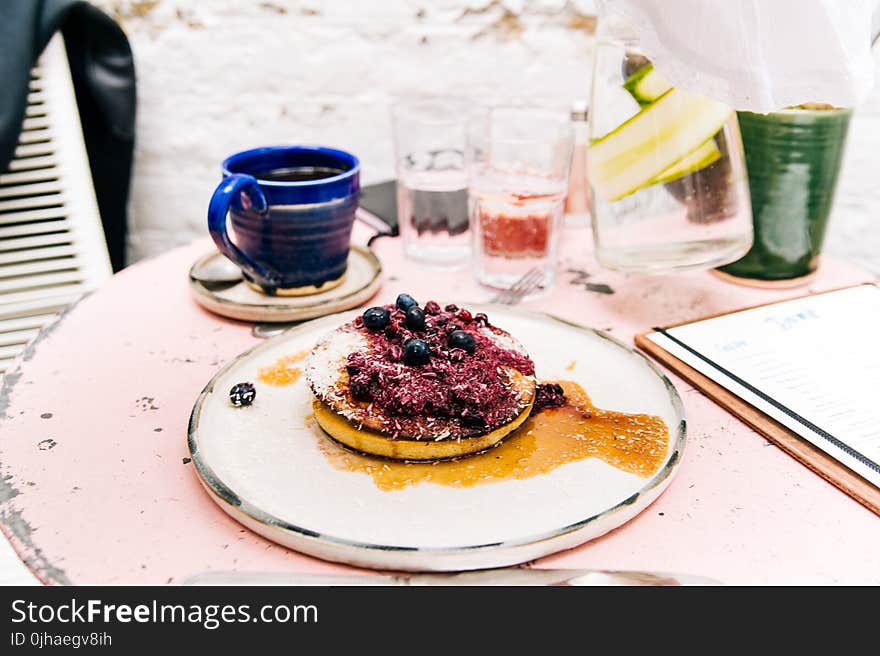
(291, 210)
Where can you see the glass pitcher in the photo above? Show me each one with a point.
(666, 167)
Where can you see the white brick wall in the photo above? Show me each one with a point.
(217, 76)
(854, 230)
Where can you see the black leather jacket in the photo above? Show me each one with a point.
(103, 75)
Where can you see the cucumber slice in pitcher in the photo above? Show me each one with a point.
(700, 158)
(636, 152)
(646, 85)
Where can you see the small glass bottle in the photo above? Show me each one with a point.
(577, 202)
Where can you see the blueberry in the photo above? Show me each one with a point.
(416, 351)
(463, 340)
(405, 302)
(415, 318)
(242, 394)
(376, 318)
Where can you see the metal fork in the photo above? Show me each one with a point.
(529, 282)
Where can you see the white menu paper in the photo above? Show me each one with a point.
(812, 364)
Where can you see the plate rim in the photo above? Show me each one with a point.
(219, 491)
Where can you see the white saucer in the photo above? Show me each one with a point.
(363, 277)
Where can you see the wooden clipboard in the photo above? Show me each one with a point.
(813, 457)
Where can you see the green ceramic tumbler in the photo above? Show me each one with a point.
(793, 158)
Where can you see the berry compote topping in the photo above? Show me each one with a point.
(549, 395)
(449, 381)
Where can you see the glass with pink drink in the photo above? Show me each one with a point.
(518, 169)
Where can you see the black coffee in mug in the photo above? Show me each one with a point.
(297, 174)
(291, 211)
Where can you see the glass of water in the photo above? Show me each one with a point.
(429, 145)
(519, 160)
(667, 173)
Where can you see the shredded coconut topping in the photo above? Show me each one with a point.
(361, 373)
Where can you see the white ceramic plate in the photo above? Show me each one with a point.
(264, 465)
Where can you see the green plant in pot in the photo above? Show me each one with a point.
(793, 158)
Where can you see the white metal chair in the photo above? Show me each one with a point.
(52, 247)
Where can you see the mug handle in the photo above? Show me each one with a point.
(230, 187)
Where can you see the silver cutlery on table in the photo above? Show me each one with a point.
(216, 274)
(267, 330)
(511, 576)
(526, 284)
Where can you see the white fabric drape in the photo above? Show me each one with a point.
(758, 55)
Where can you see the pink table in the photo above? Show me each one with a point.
(94, 487)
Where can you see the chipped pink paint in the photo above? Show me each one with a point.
(112, 501)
